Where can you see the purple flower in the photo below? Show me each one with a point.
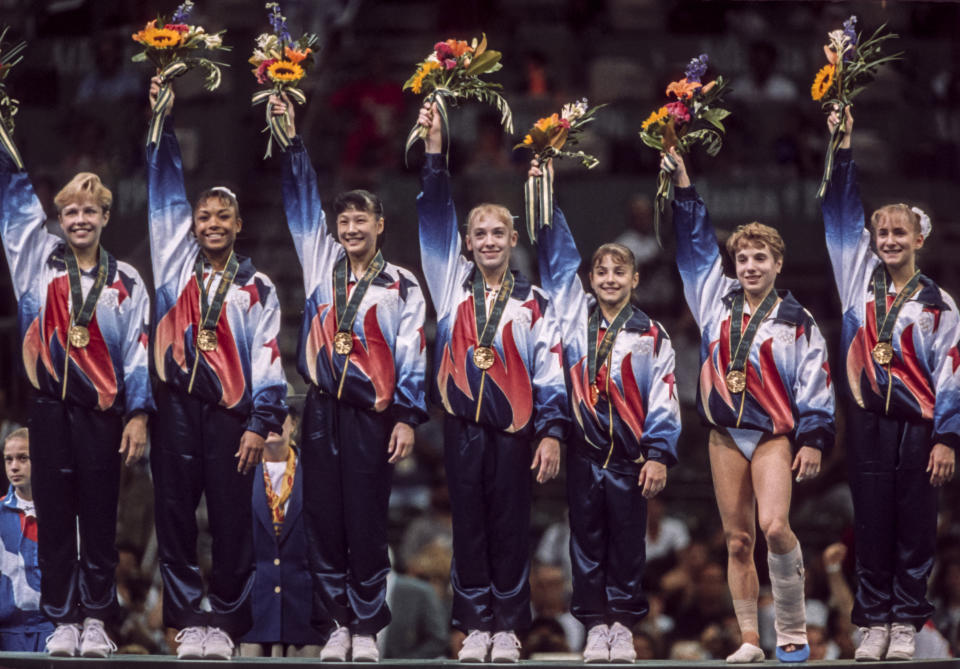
(850, 32)
(279, 23)
(697, 68)
(182, 13)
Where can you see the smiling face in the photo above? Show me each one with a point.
(358, 230)
(896, 236)
(82, 220)
(16, 461)
(757, 268)
(490, 237)
(613, 281)
(216, 224)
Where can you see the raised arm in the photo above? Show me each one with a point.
(558, 261)
(170, 214)
(25, 241)
(698, 256)
(439, 238)
(848, 241)
(316, 248)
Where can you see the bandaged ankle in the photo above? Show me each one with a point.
(786, 581)
(746, 612)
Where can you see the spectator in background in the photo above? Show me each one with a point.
(763, 83)
(665, 538)
(946, 592)
(550, 599)
(22, 627)
(420, 630)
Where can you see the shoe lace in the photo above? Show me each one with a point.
(476, 638)
(218, 634)
(65, 630)
(899, 633)
(597, 637)
(506, 639)
(190, 635)
(99, 635)
(619, 634)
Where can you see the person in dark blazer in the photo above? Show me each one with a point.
(282, 590)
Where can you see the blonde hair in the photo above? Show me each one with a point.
(899, 209)
(84, 185)
(620, 254)
(19, 433)
(487, 209)
(753, 234)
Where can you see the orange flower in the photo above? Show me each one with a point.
(458, 47)
(822, 82)
(158, 38)
(295, 56)
(283, 71)
(655, 117)
(830, 54)
(683, 89)
(546, 124)
(425, 69)
(528, 140)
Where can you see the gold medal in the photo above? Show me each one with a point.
(79, 336)
(883, 352)
(343, 343)
(736, 381)
(594, 393)
(483, 357)
(207, 340)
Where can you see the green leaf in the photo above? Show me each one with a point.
(484, 63)
(714, 116)
(651, 141)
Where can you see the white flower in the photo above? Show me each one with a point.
(571, 112)
(213, 41)
(432, 57)
(266, 41)
(840, 42)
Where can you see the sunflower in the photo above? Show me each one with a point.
(285, 72)
(425, 69)
(158, 38)
(655, 117)
(528, 140)
(822, 82)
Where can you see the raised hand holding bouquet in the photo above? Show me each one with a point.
(851, 66)
(8, 106)
(694, 117)
(453, 71)
(546, 139)
(176, 47)
(281, 62)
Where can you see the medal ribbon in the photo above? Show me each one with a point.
(487, 327)
(739, 352)
(887, 319)
(85, 306)
(210, 312)
(347, 310)
(596, 353)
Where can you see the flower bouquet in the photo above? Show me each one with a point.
(175, 49)
(694, 117)
(851, 65)
(281, 62)
(546, 139)
(8, 106)
(453, 71)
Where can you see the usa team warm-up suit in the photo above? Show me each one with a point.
(237, 387)
(353, 403)
(788, 387)
(83, 397)
(896, 414)
(634, 418)
(487, 434)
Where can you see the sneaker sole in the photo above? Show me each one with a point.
(471, 660)
(190, 656)
(95, 654)
(61, 653)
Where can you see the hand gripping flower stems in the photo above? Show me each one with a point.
(546, 139)
(685, 122)
(852, 65)
(8, 106)
(281, 61)
(453, 71)
(174, 49)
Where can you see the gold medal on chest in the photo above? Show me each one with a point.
(79, 336)
(343, 343)
(207, 340)
(594, 393)
(883, 352)
(483, 357)
(736, 381)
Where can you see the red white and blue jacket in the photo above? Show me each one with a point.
(19, 569)
(926, 385)
(525, 391)
(789, 391)
(111, 373)
(244, 374)
(645, 410)
(387, 367)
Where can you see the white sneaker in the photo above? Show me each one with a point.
(621, 644)
(747, 652)
(597, 648)
(505, 647)
(873, 643)
(365, 648)
(94, 641)
(65, 640)
(217, 645)
(475, 647)
(190, 640)
(903, 642)
(338, 646)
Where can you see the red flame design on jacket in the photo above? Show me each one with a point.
(172, 334)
